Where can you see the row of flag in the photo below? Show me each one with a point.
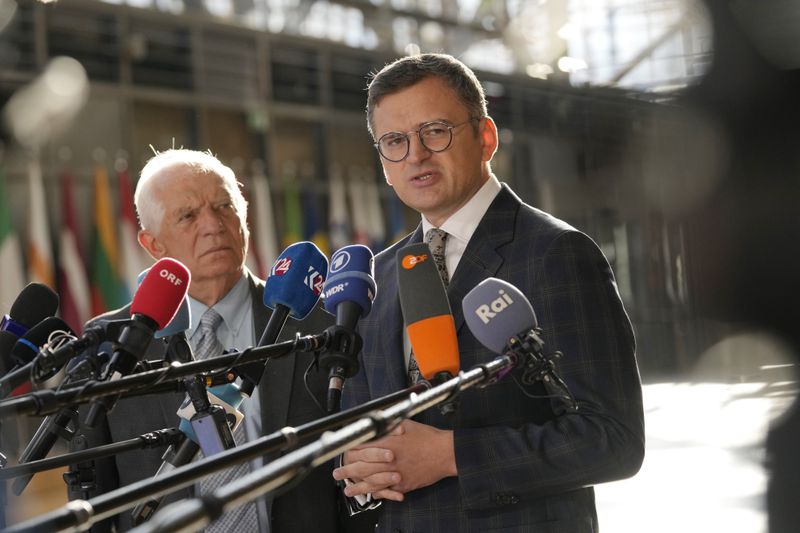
(103, 277)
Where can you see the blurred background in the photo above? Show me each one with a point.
(665, 129)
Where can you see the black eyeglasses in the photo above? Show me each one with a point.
(436, 136)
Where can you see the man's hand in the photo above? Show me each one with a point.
(412, 456)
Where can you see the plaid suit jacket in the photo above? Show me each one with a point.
(524, 463)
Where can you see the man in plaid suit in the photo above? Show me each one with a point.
(507, 459)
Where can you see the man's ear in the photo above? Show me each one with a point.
(151, 244)
(489, 138)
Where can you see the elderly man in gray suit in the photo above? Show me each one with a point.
(510, 458)
(190, 208)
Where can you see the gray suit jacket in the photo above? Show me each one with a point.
(524, 464)
(311, 505)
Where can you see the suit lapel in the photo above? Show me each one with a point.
(392, 357)
(482, 257)
(275, 393)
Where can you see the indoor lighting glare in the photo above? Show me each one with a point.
(571, 64)
(539, 70)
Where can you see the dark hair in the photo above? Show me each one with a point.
(407, 71)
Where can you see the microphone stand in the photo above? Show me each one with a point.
(197, 513)
(84, 513)
(154, 381)
(153, 439)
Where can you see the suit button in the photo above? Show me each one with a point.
(506, 499)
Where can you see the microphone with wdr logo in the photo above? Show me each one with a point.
(426, 313)
(154, 305)
(349, 292)
(503, 320)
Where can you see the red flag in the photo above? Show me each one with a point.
(73, 281)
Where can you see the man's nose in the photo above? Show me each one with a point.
(416, 150)
(210, 220)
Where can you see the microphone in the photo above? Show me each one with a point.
(154, 306)
(48, 432)
(502, 319)
(426, 312)
(178, 349)
(27, 347)
(293, 288)
(33, 304)
(349, 293)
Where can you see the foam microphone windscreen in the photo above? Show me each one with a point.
(426, 312)
(33, 304)
(182, 320)
(495, 311)
(161, 292)
(296, 279)
(28, 346)
(352, 279)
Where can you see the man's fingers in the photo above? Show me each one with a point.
(373, 483)
(361, 470)
(388, 494)
(369, 455)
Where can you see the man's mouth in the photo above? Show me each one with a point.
(423, 177)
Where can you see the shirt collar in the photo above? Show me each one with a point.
(231, 308)
(462, 223)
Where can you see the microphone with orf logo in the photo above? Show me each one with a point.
(154, 305)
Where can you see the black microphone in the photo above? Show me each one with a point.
(349, 292)
(33, 304)
(426, 312)
(154, 305)
(502, 319)
(27, 348)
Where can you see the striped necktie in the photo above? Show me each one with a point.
(245, 517)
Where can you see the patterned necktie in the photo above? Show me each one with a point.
(436, 239)
(245, 517)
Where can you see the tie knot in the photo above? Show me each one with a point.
(436, 237)
(210, 320)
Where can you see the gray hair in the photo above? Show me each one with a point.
(149, 207)
(409, 70)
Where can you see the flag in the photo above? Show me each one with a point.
(132, 256)
(263, 250)
(312, 219)
(39, 244)
(10, 254)
(293, 221)
(376, 229)
(358, 205)
(107, 290)
(338, 223)
(73, 282)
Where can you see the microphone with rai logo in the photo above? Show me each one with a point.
(502, 319)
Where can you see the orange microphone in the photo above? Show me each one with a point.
(426, 312)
